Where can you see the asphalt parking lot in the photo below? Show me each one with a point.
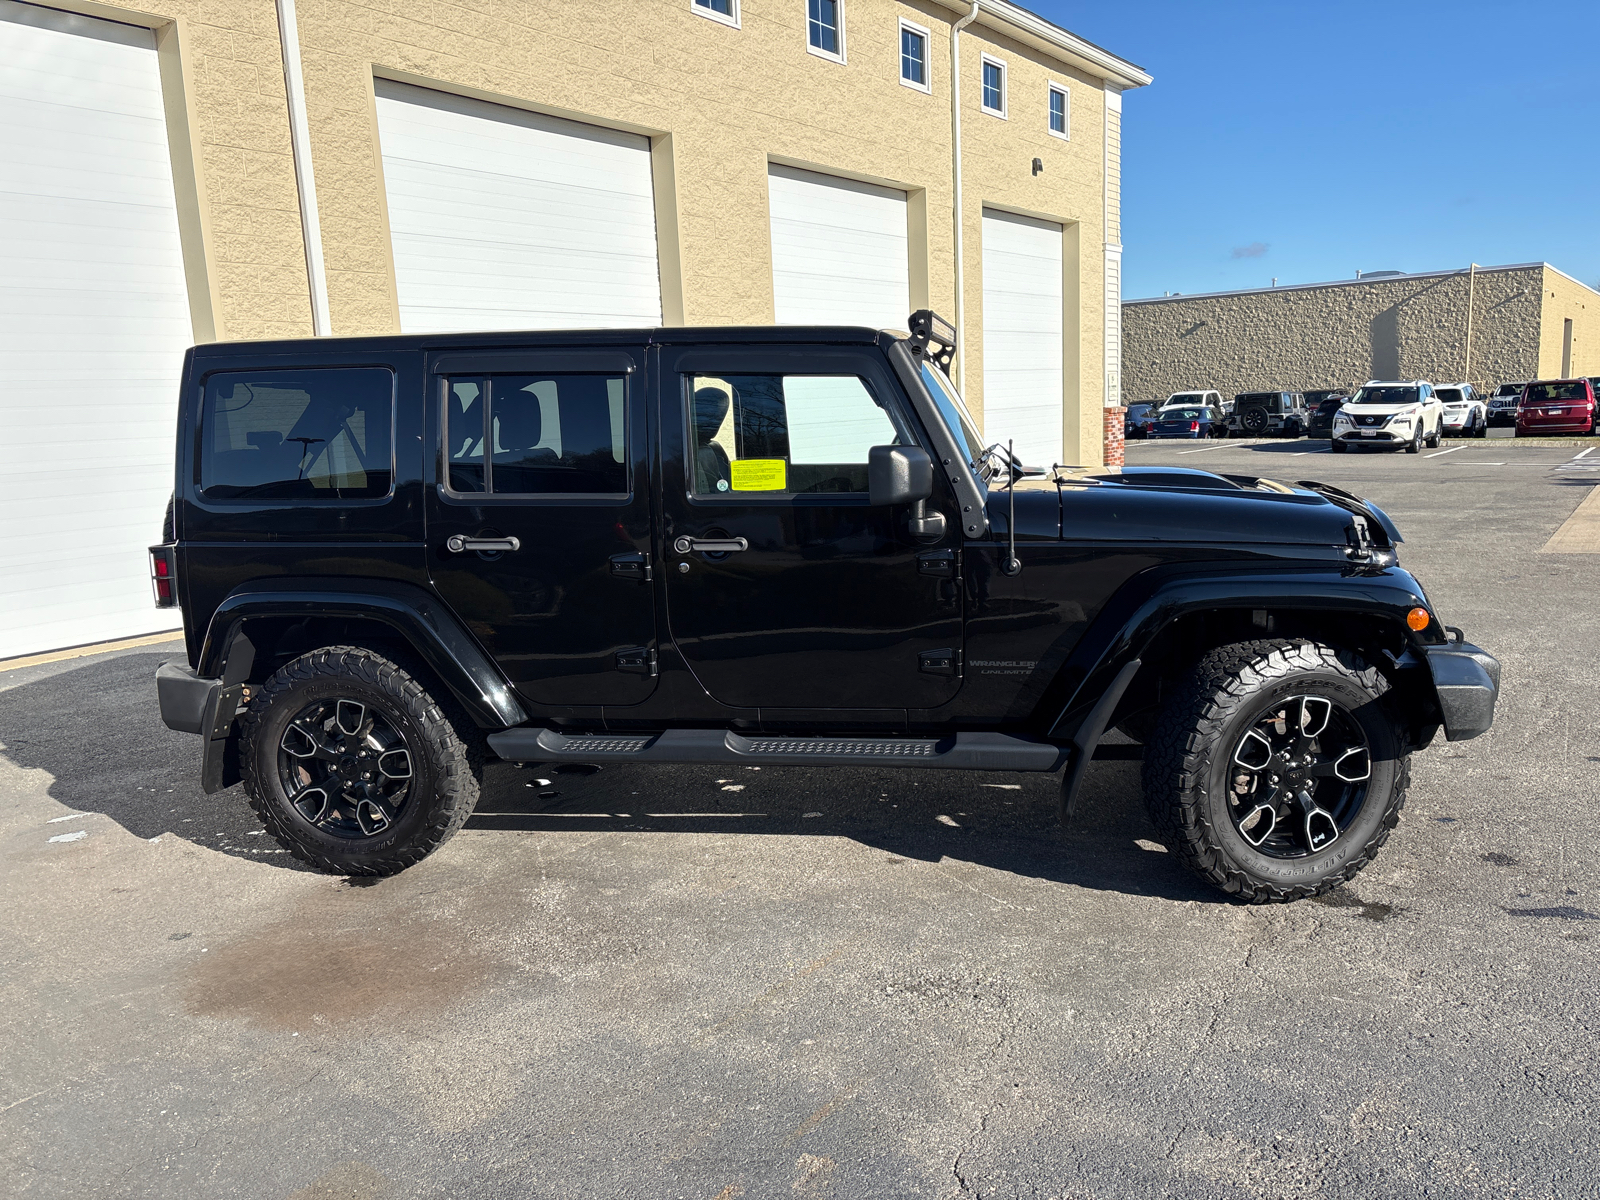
(702, 984)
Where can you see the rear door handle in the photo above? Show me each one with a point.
(460, 544)
(686, 545)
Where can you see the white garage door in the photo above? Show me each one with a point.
(839, 251)
(1022, 346)
(504, 219)
(94, 320)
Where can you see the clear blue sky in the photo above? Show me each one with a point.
(1304, 140)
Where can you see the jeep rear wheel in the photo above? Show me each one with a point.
(1277, 771)
(353, 767)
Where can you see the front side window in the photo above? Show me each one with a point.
(994, 87)
(537, 434)
(297, 435)
(726, 11)
(1058, 111)
(824, 27)
(785, 434)
(913, 57)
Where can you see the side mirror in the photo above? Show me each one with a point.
(904, 475)
(899, 475)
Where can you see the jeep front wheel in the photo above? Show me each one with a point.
(352, 766)
(1276, 772)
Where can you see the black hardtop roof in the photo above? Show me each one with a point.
(559, 338)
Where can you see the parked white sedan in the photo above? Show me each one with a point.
(1466, 414)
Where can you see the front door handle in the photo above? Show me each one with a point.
(458, 543)
(686, 545)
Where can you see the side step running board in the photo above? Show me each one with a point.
(962, 751)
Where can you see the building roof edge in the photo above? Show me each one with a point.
(1302, 287)
(1014, 19)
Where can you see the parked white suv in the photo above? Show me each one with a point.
(1390, 414)
(1197, 400)
(1465, 413)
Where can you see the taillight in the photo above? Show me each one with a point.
(164, 576)
(1194, 426)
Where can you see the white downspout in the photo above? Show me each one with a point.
(955, 162)
(305, 181)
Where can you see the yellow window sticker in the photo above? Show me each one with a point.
(760, 475)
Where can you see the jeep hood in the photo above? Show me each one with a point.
(1177, 504)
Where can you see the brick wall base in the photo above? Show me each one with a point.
(1114, 430)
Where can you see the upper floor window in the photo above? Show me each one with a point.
(825, 28)
(914, 56)
(297, 435)
(726, 11)
(1060, 119)
(994, 86)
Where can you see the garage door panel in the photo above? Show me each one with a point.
(840, 251)
(503, 219)
(94, 320)
(1022, 335)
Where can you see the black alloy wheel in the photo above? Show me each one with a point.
(345, 768)
(1299, 776)
(1253, 420)
(353, 766)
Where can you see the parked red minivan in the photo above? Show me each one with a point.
(1556, 406)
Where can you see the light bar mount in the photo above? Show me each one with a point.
(929, 329)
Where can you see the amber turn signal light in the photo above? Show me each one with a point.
(1418, 619)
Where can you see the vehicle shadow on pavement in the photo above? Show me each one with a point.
(96, 729)
(1005, 821)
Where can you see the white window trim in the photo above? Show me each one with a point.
(927, 57)
(1005, 88)
(843, 45)
(712, 14)
(1066, 111)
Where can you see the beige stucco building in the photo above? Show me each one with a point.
(1483, 325)
(196, 170)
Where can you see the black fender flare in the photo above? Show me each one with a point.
(420, 619)
(1151, 601)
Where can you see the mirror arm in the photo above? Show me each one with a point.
(926, 526)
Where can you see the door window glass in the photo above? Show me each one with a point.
(795, 434)
(297, 435)
(537, 434)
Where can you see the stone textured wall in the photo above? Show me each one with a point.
(1339, 335)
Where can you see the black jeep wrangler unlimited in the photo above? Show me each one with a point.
(397, 556)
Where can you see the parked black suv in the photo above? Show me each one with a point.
(397, 556)
(1269, 414)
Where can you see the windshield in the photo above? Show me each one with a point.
(1333, 403)
(1510, 389)
(1184, 398)
(1450, 395)
(954, 411)
(1182, 414)
(1139, 410)
(1540, 393)
(1385, 395)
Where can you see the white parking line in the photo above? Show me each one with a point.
(1203, 449)
(1303, 453)
(1437, 453)
(1583, 454)
(1466, 463)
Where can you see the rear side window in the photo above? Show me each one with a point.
(537, 434)
(297, 435)
(794, 434)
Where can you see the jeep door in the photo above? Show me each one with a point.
(787, 589)
(539, 517)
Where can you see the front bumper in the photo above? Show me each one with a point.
(1467, 682)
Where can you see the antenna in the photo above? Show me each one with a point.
(1013, 565)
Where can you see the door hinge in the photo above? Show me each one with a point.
(941, 564)
(635, 566)
(940, 662)
(637, 660)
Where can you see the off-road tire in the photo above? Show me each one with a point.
(1187, 768)
(447, 756)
